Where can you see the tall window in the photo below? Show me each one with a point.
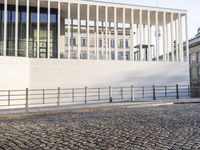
(198, 72)
(83, 42)
(198, 57)
(43, 33)
(10, 51)
(112, 43)
(100, 42)
(33, 33)
(22, 32)
(53, 34)
(127, 46)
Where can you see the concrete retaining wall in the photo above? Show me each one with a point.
(19, 73)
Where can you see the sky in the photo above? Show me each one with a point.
(192, 6)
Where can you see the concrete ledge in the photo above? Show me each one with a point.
(33, 112)
(43, 111)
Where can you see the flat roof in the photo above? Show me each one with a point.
(128, 4)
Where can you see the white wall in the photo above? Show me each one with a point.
(42, 73)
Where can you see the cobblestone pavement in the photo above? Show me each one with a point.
(169, 127)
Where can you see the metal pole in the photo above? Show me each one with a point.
(154, 92)
(99, 94)
(86, 94)
(43, 96)
(177, 92)
(165, 91)
(188, 90)
(110, 94)
(27, 104)
(143, 91)
(8, 97)
(132, 93)
(121, 93)
(72, 95)
(58, 104)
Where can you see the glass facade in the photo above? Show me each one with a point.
(21, 51)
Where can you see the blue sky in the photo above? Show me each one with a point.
(193, 7)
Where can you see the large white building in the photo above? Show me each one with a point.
(76, 43)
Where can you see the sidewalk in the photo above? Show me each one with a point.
(38, 111)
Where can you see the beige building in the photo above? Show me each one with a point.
(194, 45)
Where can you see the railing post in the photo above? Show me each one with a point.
(8, 97)
(165, 91)
(122, 94)
(188, 90)
(58, 103)
(27, 104)
(132, 93)
(99, 94)
(110, 94)
(154, 92)
(43, 96)
(143, 91)
(177, 92)
(86, 94)
(73, 95)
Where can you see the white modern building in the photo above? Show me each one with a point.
(76, 43)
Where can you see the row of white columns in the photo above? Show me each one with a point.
(178, 33)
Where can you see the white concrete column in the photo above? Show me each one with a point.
(177, 47)
(141, 50)
(79, 21)
(69, 30)
(38, 28)
(132, 36)
(149, 37)
(157, 40)
(164, 36)
(116, 33)
(27, 28)
(106, 26)
(102, 38)
(88, 32)
(97, 31)
(144, 34)
(181, 38)
(109, 38)
(48, 30)
(187, 43)
(5, 28)
(144, 40)
(16, 25)
(124, 35)
(59, 18)
(167, 42)
(172, 37)
(179, 34)
(79, 38)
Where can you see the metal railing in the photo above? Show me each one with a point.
(58, 97)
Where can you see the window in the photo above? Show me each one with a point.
(127, 46)
(198, 57)
(112, 42)
(121, 43)
(83, 42)
(73, 42)
(198, 72)
(193, 58)
(100, 42)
